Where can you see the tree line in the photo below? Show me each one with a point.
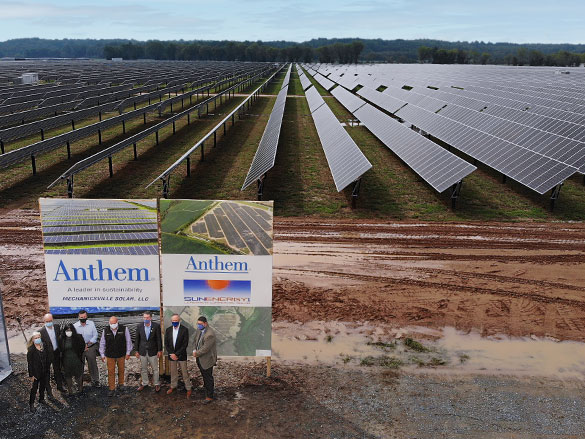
(343, 50)
(521, 57)
(345, 53)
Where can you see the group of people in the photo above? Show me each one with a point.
(66, 350)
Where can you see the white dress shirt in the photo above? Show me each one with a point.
(52, 336)
(175, 333)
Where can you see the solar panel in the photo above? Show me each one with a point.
(533, 170)
(266, 153)
(347, 99)
(314, 99)
(437, 166)
(327, 84)
(346, 162)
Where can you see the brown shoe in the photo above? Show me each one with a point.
(171, 390)
(189, 394)
(140, 389)
(157, 388)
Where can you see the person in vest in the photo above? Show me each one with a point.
(39, 370)
(205, 353)
(115, 346)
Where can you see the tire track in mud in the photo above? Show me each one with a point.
(448, 286)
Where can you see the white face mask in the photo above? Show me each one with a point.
(68, 333)
(114, 325)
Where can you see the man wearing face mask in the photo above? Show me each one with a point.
(86, 328)
(176, 342)
(50, 334)
(115, 346)
(148, 347)
(206, 354)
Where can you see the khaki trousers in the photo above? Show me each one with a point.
(112, 363)
(175, 374)
(145, 360)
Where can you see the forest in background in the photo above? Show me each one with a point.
(345, 50)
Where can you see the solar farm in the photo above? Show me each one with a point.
(401, 141)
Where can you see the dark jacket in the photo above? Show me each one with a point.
(38, 362)
(180, 348)
(154, 343)
(207, 352)
(47, 340)
(78, 345)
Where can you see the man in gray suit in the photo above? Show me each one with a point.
(206, 355)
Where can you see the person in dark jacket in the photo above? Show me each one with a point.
(148, 347)
(39, 370)
(72, 346)
(50, 334)
(176, 342)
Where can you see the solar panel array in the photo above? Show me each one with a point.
(346, 162)
(437, 166)
(78, 228)
(528, 124)
(305, 81)
(266, 153)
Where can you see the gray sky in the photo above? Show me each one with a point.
(518, 21)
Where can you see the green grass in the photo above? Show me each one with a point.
(415, 345)
(176, 215)
(179, 244)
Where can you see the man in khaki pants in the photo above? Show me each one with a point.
(115, 345)
(176, 342)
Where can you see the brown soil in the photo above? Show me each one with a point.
(512, 278)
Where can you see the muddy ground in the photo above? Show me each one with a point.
(516, 279)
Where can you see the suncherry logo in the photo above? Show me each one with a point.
(215, 265)
(98, 272)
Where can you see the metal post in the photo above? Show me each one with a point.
(99, 137)
(2, 148)
(188, 166)
(34, 164)
(554, 196)
(144, 116)
(166, 183)
(156, 137)
(214, 139)
(135, 153)
(188, 118)
(455, 191)
(504, 179)
(68, 150)
(111, 166)
(123, 127)
(355, 192)
(171, 108)
(174, 128)
(70, 186)
(224, 128)
(202, 151)
(42, 134)
(72, 124)
(233, 119)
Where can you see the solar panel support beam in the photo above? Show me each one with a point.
(260, 182)
(2, 148)
(355, 192)
(202, 151)
(34, 164)
(166, 186)
(70, 186)
(455, 191)
(188, 166)
(554, 195)
(69, 150)
(135, 152)
(111, 166)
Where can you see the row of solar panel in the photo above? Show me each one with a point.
(265, 156)
(96, 237)
(117, 250)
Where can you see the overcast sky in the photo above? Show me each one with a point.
(518, 21)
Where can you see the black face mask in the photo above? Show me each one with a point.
(82, 320)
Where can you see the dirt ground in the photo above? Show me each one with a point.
(492, 279)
